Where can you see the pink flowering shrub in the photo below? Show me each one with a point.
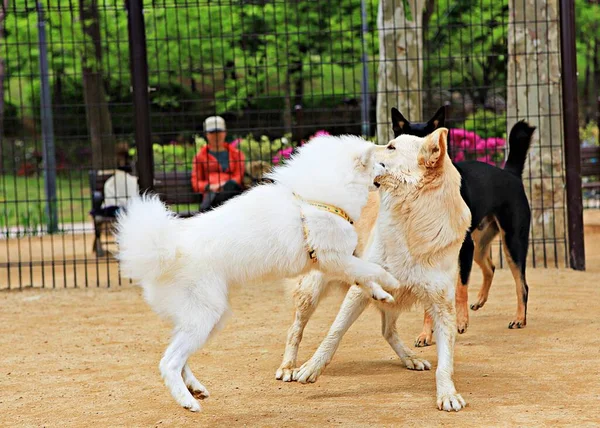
(282, 154)
(464, 143)
(235, 143)
(319, 133)
(286, 152)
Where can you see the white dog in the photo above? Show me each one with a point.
(273, 231)
(415, 229)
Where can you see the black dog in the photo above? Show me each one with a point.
(497, 200)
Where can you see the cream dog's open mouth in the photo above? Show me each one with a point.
(376, 183)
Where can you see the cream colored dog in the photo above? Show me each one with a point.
(414, 228)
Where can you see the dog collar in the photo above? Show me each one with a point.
(329, 208)
(325, 207)
(311, 251)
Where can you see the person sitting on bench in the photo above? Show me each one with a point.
(119, 189)
(218, 168)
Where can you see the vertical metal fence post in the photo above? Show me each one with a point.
(365, 72)
(141, 104)
(571, 131)
(48, 151)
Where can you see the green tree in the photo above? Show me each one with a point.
(277, 47)
(588, 57)
(96, 104)
(3, 10)
(467, 43)
(75, 60)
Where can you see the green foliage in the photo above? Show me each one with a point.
(22, 201)
(589, 134)
(172, 157)
(255, 54)
(281, 48)
(587, 18)
(179, 157)
(31, 221)
(468, 46)
(262, 148)
(486, 124)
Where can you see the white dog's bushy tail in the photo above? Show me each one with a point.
(147, 247)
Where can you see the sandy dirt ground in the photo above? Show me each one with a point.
(82, 357)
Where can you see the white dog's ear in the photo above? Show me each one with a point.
(366, 156)
(434, 149)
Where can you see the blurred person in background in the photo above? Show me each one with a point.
(218, 169)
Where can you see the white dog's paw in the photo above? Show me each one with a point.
(189, 403)
(450, 402)
(414, 363)
(198, 390)
(381, 295)
(284, 374)
(390, 282)
(309, 372)
(193, 385)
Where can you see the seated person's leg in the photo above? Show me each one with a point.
(228, 191)
(213, 199)
(207, 199)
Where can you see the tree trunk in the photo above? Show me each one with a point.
(3, 11)
(534, 94)
(400, 63)
(98, 115)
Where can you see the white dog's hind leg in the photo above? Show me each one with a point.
(187, 338)
(444, 330)
(183, 344)
(354, 304)
(306, 299)
(388, 329)
(194, 386)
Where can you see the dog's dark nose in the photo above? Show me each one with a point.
(382, 164)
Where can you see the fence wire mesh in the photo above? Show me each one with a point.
(277, 72)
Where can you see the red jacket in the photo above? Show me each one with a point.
(206, 169)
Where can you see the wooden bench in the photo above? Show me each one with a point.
(590, 167)
(174, 188)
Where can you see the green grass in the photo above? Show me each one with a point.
(22, 200)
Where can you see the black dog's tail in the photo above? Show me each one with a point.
(519, 141)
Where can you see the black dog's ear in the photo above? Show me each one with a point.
(399, 123)
(439, 119)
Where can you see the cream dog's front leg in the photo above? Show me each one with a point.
(444, 321)
(354, 304)
(306, 299)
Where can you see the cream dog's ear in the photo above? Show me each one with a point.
(434, 149)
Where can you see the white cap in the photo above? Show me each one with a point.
(214, 123)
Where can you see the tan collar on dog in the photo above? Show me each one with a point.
(311, 251)
(329, 208)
